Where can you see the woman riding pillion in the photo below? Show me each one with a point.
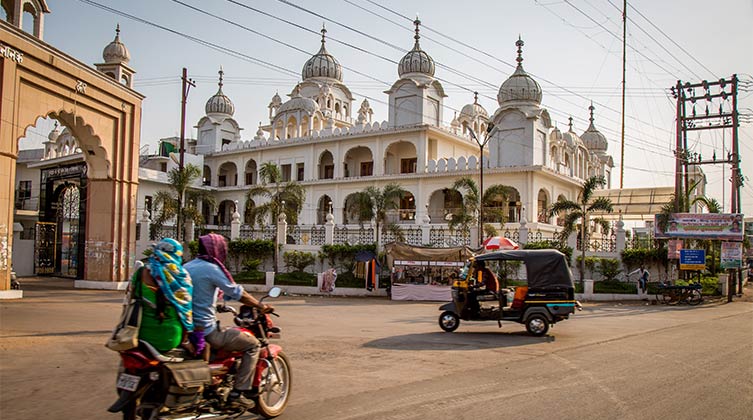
(166, 290)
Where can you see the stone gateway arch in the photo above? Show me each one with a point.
(37, 80)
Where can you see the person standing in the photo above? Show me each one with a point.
(212, 281)
(642, 279)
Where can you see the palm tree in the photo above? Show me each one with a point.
(468, 214)
(375, 203)
(581, 210)
(180, 195)
(280, 197)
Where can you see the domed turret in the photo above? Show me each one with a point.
(416, 60)
(220, 103)
(593, 139)
(520, 87)
(570, 137)
(322, 64)
(54, 134)
(474, 110)
(116, 52)
(299, 103)
(555, 135)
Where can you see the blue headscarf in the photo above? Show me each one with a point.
(166, 266)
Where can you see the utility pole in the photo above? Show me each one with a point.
(622, 150)
(710, 118)
(185, 87)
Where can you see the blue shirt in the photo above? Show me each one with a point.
(207, 278)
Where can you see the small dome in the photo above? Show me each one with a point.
(299, 103)
(555, 135)
(474, 110)
(520, 86)
(593, 139)
(455, 123)
(220, 103)
(571, 138)
(322, 64)
(276, 101)
(116, 51)
(416, 60)
(54, 134)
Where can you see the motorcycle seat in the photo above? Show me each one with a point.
(157, 355)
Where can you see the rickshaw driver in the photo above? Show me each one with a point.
(488, 278)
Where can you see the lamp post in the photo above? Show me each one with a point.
(481, 144)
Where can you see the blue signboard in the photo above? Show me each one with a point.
(692, 259)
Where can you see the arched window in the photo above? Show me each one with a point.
(543, 207)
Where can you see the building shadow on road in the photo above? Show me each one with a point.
(458, 341)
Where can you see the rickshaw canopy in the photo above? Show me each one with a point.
(545, 268)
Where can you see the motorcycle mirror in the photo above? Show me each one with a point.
(274, 292)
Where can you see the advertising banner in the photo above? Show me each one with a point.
(692, 259)
(718, 226)
(673, 249)
(732, 255)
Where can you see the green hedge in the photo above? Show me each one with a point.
(615, 287)
(296, 279)
(250, 277)
(339, 252)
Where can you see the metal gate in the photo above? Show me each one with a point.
(44, 247)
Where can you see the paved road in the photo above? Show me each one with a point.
(375, 359)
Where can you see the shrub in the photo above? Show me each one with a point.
(633, 258)
(591, 262)
(609, 268)
(299, 260)
(251, 264)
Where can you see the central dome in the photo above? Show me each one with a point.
(416, 60)
(520, 87)
(474, 110)
(322, 64)
(299, 103)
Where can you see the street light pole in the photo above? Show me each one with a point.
(481, 145)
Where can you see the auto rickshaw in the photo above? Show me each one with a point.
(548, 298)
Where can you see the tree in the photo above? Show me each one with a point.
(287, 197)
(466, 216)
(468, 213)
(280, 198)
(181, 193)
(375, 203)
(581, 210)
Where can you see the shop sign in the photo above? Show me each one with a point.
(732, 255)
(692, 259)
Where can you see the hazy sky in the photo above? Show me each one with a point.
(572, 48)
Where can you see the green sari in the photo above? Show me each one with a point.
(164, 335)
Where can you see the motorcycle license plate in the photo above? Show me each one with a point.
(128, 382)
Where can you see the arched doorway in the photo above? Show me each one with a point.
(105, 119)
(225, 212)
(68, 231)
(322, 209)
(543, 207)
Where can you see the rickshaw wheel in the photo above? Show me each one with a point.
(449, 321)
(537, 325)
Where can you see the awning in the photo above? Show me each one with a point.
(635, 203)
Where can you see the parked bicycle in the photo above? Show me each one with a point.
(673, 294)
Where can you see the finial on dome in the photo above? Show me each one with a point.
(417, 22)
(570, 123)
(475, 97)
(117, 30)
(324, 32)
(519, 43)
(221, 73)
(591, 108)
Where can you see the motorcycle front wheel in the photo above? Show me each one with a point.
(275, 386)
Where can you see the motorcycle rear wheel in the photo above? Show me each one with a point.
(274, 389)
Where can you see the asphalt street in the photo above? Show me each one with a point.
(369, 358)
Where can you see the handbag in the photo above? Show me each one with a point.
(125, 336)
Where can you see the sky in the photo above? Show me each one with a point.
(573, 48)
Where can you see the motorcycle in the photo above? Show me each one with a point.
(171, 386)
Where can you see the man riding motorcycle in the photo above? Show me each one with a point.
(210, 275)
